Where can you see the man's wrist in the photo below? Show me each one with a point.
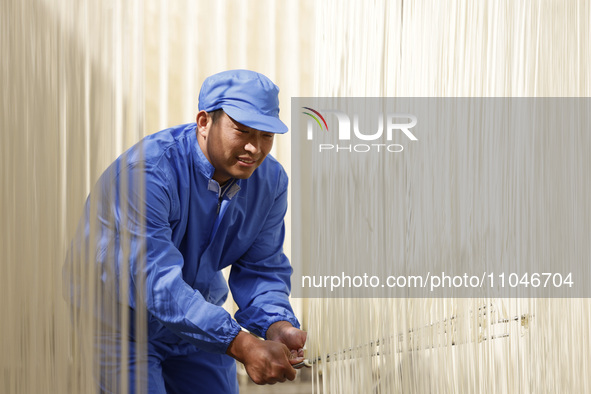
(242, 343)
(275, 330)
(236, 347)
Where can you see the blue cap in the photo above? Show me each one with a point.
(246, 96)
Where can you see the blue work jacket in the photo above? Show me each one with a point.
(158, 208)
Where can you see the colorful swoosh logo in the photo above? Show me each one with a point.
(315, 118)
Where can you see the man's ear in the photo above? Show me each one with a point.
(203, 123)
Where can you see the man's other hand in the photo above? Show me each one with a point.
(292, 337)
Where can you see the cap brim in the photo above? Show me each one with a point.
(260, 122)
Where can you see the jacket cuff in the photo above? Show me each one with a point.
(230, 337)
(288, 318)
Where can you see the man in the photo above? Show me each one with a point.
(192, 200)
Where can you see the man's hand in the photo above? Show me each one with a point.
(293, 338)
(266, 362)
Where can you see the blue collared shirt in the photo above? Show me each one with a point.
(187, 232)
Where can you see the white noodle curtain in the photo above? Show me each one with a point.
(452, 49)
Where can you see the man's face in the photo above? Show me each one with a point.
(233, 149)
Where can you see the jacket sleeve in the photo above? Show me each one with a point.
(260, 280)
(167, 296)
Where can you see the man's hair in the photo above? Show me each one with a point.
(215, 115)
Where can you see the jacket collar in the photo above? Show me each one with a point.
(201, 162)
